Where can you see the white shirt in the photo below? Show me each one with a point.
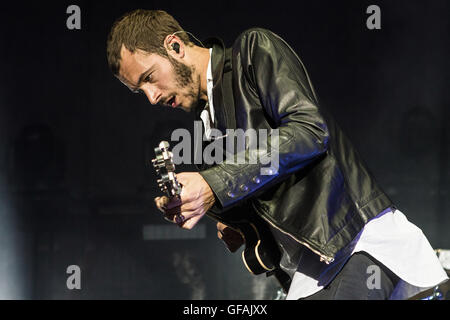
(390, 238)
(208, 117)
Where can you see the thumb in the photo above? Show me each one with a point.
(186, 178)
(181, 177)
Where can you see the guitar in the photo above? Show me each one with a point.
(261, 253)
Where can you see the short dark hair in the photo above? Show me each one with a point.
(141, 29)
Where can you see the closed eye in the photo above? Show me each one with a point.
(148, 78)
(137, 91)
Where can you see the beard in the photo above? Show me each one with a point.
(184, 76)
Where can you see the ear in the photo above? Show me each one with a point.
(169, 43)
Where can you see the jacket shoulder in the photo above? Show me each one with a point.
(254, 31)
(251, 35)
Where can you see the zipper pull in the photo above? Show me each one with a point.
(326, 259)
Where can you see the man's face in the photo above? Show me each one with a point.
(164, 81)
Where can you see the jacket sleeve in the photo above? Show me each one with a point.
(299, 133)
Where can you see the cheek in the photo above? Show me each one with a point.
(165, 80)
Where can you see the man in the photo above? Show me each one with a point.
(333, 224)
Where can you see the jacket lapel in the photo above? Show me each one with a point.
(222, 90)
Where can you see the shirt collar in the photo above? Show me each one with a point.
(209, 86)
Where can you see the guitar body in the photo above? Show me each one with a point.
(261, 253)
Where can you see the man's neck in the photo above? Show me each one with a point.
(200, 59)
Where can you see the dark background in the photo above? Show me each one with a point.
(75, 184)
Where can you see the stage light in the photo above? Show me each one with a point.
(15, 263)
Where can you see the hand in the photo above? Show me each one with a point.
(170, 207)
(232, 238)
(196, 199)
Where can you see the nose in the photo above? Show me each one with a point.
(152, 93)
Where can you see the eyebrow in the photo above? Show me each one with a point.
(135, 89)
(142, 76)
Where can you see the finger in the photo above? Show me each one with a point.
(172, 211)
(178, 217)
(162, 200)
(175, 215)
(220, 226)
(169, 218)
(191, 214)
(174, 202)
(185, 196)
(180, 220)
(182, 177)
(156, 201)
(174, 218)
(225, 228)
(189, 224)
(195, 205)
(166, 205)
(161, 203)
(187, 206)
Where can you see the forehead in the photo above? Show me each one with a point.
(133, 64)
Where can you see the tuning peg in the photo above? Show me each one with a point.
(164, 145)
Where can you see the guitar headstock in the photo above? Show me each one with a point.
(165, 169)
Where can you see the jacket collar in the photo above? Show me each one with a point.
(220, 65)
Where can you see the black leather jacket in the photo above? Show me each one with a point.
(322, 194)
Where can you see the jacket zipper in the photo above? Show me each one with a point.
(323, 257)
